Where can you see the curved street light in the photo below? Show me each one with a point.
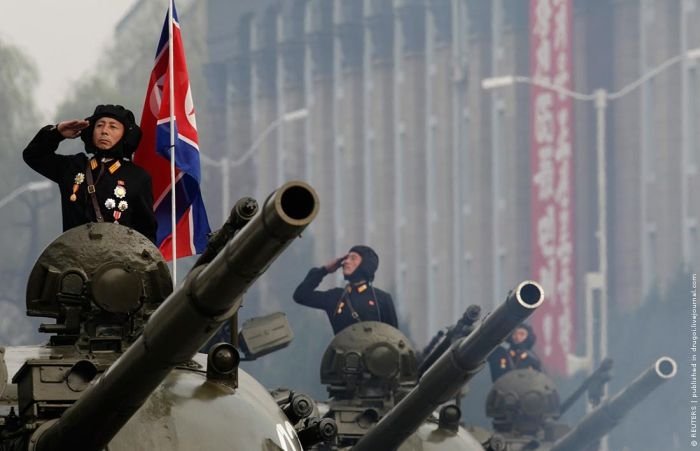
(31, 186)
(600, 97)
(226, 163)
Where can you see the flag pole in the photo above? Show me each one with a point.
(171, 81)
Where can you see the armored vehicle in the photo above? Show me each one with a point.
(120, 370)
(382, 396)
(525, 408)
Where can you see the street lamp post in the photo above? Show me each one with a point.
(601, 104)
(601, 98)
(226, 163)
(27, 187)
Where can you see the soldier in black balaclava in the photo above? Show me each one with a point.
(518, 355)
(358, 301)
(102, 185)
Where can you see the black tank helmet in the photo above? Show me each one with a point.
(129, 142)
(529, 341)
(368, 266)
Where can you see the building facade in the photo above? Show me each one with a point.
(411, 156)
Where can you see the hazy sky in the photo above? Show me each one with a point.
(63, 37)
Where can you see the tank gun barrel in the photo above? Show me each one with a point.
(595, 382)
(241, 214)
(442, 341)
(452, 370)
(211, 294)
(599, 422)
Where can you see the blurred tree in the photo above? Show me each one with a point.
(84, 95)
(122, 74)
(19, 116)
(20, 218)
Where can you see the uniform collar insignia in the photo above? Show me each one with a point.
(114, 167)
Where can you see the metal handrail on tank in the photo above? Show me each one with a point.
(210, 295)
(602, 420)
(452, 370)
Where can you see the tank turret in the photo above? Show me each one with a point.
(454, 368)
(365, 368)
(603, 419)
(121, 368)
(100, 282)
(368, 360)
(371, 371)
(523, 402)
(524, 405)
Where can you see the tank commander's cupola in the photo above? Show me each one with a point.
(100, 282)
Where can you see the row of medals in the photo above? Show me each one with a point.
(110, 204)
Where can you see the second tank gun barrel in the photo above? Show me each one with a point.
(452, 370)
(442, 341)
(210, 295)
(241, 214)
(602, 420)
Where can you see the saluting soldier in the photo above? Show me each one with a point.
(358, 301)
(102, 185)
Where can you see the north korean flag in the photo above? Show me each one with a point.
(154, 151)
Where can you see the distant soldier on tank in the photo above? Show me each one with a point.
(519, 354)
(358, 301)
(103, 186)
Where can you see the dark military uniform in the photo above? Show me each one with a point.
(503, 360)
(358, 301)
(518, 356)
(123, 189)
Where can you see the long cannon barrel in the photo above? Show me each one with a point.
(599, 422)
(442, 341)
(182, 324)
(452, 370)
(241, 214)
(593, 383)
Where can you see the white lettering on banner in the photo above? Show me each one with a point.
(562, 193)
(543, 17)
(544, 118)
(544, 177)
(546, 232)
(547, 332)
(562, 76)
(561, 29)
(564, 247)
(563, 137)
(544, 58)
(543, 48)
(545, 276)
(552, 180)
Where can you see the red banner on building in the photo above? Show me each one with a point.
(552, 179)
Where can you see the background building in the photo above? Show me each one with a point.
(413, 157)
(380, 105)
